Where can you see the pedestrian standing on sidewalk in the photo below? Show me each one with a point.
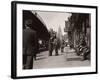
(56, 47)
(30, 45)
(51, 46)
(62, 45)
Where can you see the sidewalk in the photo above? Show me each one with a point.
(66, 59)
(73, 60)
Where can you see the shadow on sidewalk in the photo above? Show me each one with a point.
(41, 58)
(74, 59)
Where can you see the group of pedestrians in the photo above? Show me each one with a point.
(55, 44)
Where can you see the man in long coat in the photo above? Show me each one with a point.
(51, 46)
(30, 47)
(56, 47)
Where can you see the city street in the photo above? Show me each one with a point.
(66, 59)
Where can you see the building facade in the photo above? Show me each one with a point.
(78, 28)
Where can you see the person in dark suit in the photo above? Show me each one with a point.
(30, 45)
(62, 45)
(56, 46)
(51, 46)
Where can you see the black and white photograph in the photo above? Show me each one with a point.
(53, 39)
(56, 39)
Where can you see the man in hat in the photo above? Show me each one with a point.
(30, 44)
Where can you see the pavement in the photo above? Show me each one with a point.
(66, 59)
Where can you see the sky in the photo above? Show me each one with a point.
(54, 20)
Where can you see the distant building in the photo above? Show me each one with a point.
(78, 27)
(59, 33)
(65, 37)
(67, 25)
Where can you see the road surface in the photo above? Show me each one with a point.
(66, 59)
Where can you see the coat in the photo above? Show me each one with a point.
(30, 42)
